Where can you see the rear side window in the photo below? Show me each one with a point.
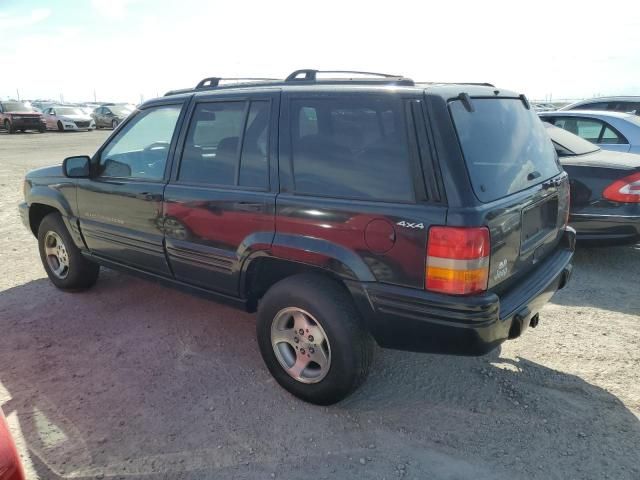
(505, 146)
(585, 128)
(351, 147)
(254, 158)
(213, 153)
(594, 106)
(611, 137)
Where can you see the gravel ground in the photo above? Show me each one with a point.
(135, 380)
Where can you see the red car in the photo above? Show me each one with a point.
(10, 466)
(16, 116)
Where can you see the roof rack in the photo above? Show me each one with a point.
(305, 76)
(311, 76)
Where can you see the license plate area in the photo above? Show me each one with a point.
(538, 222)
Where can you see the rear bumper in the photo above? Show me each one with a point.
(608, 229)
(409, 319)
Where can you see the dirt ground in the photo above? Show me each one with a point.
(134, 380)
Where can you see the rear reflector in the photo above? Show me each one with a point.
(457, 260)
(625, 190)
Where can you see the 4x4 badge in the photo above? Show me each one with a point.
(410, 225)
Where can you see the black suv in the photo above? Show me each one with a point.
(347, 209)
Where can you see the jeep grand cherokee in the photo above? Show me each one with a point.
(346, 209)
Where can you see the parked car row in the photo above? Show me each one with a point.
(18, 116)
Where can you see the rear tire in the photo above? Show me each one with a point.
(8, 127)
(324, 309)
(66, 267)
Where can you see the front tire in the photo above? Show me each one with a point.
(66, 267)
(312, 339)
(114, 124)
(60, 127)
(8, 127)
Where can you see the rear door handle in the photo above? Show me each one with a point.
(248, 206)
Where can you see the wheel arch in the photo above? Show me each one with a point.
(43, 201)
(292, 255)
(37, 212)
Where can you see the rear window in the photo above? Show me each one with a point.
(505, 146)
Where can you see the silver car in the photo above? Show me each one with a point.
(614, 131)
(628, 104)
(62, 118)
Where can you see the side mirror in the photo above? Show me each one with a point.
(77, 167)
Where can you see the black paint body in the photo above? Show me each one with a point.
(210, 239)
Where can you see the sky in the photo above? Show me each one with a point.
(130, 50)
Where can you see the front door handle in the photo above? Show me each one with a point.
(149, 196)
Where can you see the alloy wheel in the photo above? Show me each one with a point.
(56, 255)
(301, 345)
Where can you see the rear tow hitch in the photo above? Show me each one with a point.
(521, 321)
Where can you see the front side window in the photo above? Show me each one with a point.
(351, 147)
(141, 148)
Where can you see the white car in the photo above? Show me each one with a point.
(60, 117)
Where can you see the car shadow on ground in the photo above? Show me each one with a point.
(134, 380)
(604, 277)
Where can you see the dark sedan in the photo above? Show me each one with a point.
(605, 189)
(111, 116)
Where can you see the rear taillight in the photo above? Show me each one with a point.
(625, 190)
(457, 260)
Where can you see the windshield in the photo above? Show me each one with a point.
(505, 146)
(16, 107)
(121, 109)
(68, 111)
(569, 143)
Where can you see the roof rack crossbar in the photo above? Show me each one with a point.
(311, 75)
(479, 84)
(212, 82)
(208, 82)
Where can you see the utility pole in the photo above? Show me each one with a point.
(18, 92)
(94, 96)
